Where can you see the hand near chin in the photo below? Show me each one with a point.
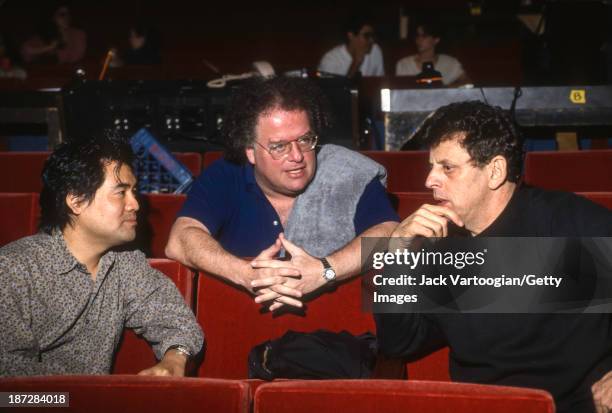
(430, 221)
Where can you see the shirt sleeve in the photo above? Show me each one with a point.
(209, 199)
(374, 207)
(19, 348)
(155, 308)
(332, 63)
(455, 70)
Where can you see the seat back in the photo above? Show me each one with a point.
(405, 203)
(406, 170)
(209, 157)
(601, 198)
(572, 171)
(191, 160)
(19, 215)
(134, 353)
(365, 396)
(234, 323)
(138, 394)
(156, 216)
(22, 171)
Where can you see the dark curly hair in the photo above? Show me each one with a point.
(488, 132)
(259, 96)
(77, 168)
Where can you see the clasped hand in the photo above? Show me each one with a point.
(281, 282)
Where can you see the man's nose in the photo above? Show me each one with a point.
(132, 202)
(432, 180)
(295, 154)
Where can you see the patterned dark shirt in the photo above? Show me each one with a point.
(55, 319)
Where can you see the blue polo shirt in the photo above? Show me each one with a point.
(228, 201)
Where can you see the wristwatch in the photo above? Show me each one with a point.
(329, 274)
(181, 349)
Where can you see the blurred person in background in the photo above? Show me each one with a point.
(428, 36)
(57, 40)
(359, 53)
(144, 47)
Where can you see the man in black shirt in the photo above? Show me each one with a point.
(476, 159)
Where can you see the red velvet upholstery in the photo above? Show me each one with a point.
(134, 353)
(369, 396)
(601, 198)
(135, 394)
(234, 323)
(574, 171)
(191, 160)
(209, 157)
(406, 170)
(435, 366)
(405, 203)
(158, 214)
(21, 171)
(19, 214)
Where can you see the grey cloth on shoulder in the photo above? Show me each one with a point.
(321, 220)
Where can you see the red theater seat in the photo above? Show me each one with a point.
(405, 203)
(20, 171)
(601, 198)
(158, 214)
(209, 157)
(191, 160)
(573, 171)
(406, 170)
(19, 214)
(137, 394)
(134, 353)
(370, 396)
(228, 343)
(434, 366)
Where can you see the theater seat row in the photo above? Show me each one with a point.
(575, 171)
(136, 394)
(19, 215)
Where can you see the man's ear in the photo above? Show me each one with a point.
(75, 203)
(498, 171)
(250, 154)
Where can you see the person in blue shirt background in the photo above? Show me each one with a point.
(276, 190)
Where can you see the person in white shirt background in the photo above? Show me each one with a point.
(427, 38)
(359, 53)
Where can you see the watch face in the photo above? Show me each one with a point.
(329, 274)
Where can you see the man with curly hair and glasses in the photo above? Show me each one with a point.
(277, 191)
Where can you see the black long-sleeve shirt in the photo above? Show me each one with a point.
(561, 353)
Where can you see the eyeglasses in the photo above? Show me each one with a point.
(278, 150)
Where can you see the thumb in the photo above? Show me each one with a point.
(290, 246)
(271, 251)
